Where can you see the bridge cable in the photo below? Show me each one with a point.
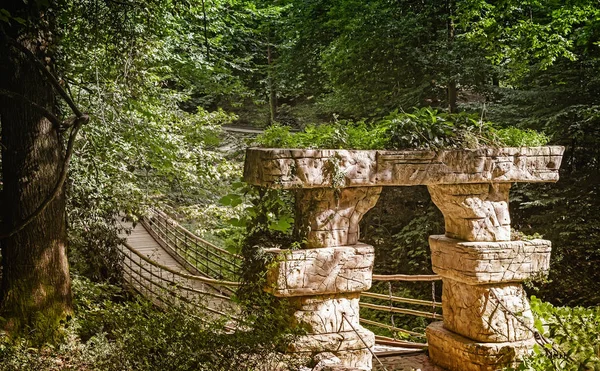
(364, 342)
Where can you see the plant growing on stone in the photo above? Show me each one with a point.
(423, 128)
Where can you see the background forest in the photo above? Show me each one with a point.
(159, 79)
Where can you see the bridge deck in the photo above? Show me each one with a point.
(154, 282)
(144, 243)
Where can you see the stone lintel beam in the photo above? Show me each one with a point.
(478, 263)
(330, 217)
(304, 168)
(321, 271)
(457, 353)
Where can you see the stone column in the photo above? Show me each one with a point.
(486, 312)
(323, 281)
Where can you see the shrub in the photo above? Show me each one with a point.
(574, 334)
(112, 330)
(423, 128)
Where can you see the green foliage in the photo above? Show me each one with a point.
(519, 34)
(402, 321)
(265, 222)
(153, 75)
(514, 137)
(566, 214)
(112, 332)
(430, 129)
(264, 211)
(424, 128)
(574, 334)
(134, 68)
(399, 226)
(363, 59)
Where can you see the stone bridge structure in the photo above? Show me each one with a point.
(487, 320)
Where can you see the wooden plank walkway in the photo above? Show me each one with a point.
(165, 288)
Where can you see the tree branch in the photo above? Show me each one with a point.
(49, 115)
(75, 124)
(59, 184)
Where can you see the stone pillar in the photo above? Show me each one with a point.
(323, 281)
(486, 312)
(482, 269)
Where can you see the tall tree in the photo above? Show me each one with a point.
(35, 290)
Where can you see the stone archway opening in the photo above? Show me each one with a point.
(487, 321)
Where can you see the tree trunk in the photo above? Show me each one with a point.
(452, 95)
(270, 78)
(35, 290)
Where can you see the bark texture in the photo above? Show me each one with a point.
(35, 290)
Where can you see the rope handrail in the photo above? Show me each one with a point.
(208, 251)
(171, 292)
(413, 312)
(192, 235)
(384, 340)
(194, 256)
(193, 248)
(398, 299)
(406, 277)
(202, 256)
(178, 285)
(392, 328)
(184, 275)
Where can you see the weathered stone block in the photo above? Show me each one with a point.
(325, 314)
(489, 262)
(295, 168)
(474, 212)
(335, 341)
(457, 353)
(321, 271)
(353, 360)
(487, 313)
(332, 326)
(349, 360)
(305, 168)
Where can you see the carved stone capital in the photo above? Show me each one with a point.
(474, 212)
(330, 217)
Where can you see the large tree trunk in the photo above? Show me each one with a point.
(270, 80)
(35, 290)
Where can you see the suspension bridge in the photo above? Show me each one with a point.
(170, 265)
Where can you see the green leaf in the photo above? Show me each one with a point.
(539, 326)
(231, 199)
(281, 225)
